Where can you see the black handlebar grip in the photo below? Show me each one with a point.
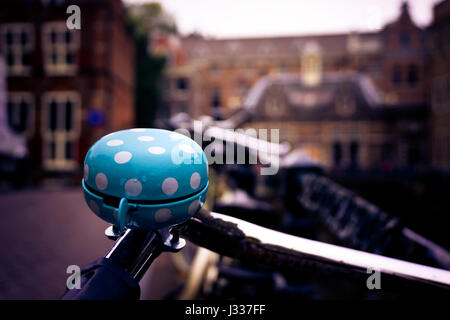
(104, 280)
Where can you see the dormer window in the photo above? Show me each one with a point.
(345, 101)
(274, 107)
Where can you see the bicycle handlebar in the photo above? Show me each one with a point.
(245, 240)
(104, 279)
(117, 275)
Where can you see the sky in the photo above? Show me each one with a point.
(258, 18)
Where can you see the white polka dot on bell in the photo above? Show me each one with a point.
(146, 138)
(138, 130)
(86, 172)
(193, 207)
(156, 150)
(163, 215)
(101, 181)
(122, 157)
(133, 187)
(94, 207)
(114, 143)
(195, 180)
(187, 148)
(170, 186)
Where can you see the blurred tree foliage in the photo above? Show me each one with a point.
(143, 20)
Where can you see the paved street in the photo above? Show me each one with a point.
(41, 233)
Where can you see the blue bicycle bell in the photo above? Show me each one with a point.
(145, 178)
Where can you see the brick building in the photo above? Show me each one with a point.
(319, 90)
(340, 121)
(439, 49)
(217, 73)
(66, 88)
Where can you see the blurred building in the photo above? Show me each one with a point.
(217, 73)
(66, 87)
(439, 49)
(355, 100)
(340, 121)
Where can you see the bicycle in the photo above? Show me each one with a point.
(142, 235)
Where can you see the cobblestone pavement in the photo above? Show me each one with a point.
(42, 232)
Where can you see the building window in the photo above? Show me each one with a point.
(17, 43)
(182, 84)
(354, 154)
(396, 75)
(60, 48)
(404, 40)
(413, 74)
(215, 98)
(20, 110)
(337, 154)
(61, 123)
